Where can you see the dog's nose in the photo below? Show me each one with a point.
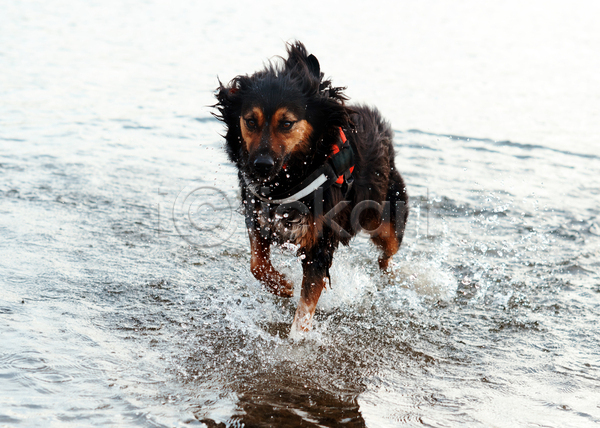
(263, 164)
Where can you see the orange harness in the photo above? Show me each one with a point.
(336, 149)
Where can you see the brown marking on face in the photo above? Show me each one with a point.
(286, 133)
(251, 124)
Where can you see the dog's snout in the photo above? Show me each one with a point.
(263, 164)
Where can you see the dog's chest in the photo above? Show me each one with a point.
(284, 227)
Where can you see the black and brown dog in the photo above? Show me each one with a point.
(312, 170)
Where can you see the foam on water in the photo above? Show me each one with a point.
(352, 283)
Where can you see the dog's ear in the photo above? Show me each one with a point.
(313, 66)
(300, 61)
(225, 97)
(228, 106)
(230, 100)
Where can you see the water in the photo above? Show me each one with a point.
(116, 310)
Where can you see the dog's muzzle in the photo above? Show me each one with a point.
(263, 165)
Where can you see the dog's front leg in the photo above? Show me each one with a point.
(263, 270)
(315, 270)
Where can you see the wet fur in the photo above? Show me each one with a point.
(297, 85)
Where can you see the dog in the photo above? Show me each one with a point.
(313, 171)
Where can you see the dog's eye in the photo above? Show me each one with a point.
(287, 124)
(251, 123)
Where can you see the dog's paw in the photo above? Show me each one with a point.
(282, 289)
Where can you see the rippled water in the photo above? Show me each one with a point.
(115, 309)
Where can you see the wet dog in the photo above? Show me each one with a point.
(313, 171)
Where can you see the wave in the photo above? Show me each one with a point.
(502, 143)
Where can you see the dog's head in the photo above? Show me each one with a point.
(279, 114)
